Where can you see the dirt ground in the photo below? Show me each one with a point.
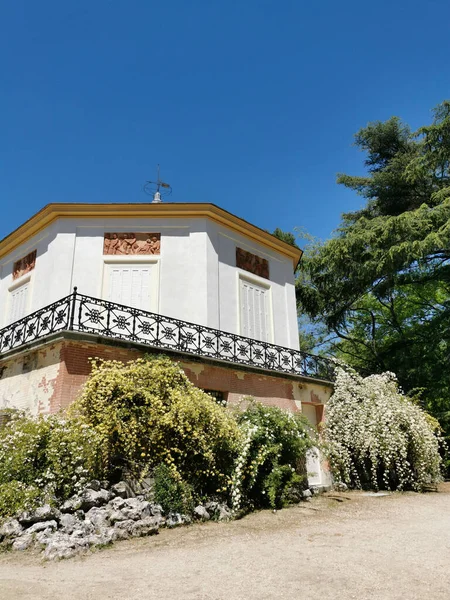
(395, 546)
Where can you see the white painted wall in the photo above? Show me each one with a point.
(50, 280)
(281, 285)
(196, 274)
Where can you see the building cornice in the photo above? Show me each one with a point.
(53, 212)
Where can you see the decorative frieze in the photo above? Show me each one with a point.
(132, 243)
(24, 265)
(252, 263)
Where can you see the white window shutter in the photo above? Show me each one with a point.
(126, 287)
(19, 303)
(115, 285)
(254, 311)
(130, 286)
(245, 308)
(143, 285)
(260, 314)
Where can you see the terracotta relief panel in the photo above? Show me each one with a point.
(252, 263)
(132, 243)
(24, 265)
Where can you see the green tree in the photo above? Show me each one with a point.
(381, 284)
(285, 236)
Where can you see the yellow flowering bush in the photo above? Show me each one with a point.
(376, 437)
(148, 413)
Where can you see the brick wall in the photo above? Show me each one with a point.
(75, 368)
(235, 383)
(61, 368)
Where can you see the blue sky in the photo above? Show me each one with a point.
(251, 105)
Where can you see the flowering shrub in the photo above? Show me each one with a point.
(272, 459)
(73, 456)
(44, 457)
(376, 437)
(16, 496)
(147, 412)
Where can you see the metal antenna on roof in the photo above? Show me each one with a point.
(158, 189)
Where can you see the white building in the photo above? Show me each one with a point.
(198, 273)
(204, 286)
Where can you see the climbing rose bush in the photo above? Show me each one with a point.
(148, 413)
(376, 437)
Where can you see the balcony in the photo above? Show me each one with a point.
(106, 319)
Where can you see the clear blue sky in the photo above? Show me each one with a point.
(249, 104)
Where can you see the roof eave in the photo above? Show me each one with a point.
(51, 212)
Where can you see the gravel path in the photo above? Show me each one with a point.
(391, 547)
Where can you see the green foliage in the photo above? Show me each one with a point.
(16, 496)
(45, 456)
(285, 236)
(171, 492)
(272, 459)
(23, 443)
(151, 418)
(147, 412)
(313, 337)
(73, 456)
(381, 284)
(146, 417)
(377, 437)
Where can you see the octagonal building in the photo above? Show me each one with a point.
(117, 281)
(194, 262)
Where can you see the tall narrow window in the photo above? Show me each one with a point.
(18, 303)
(130, 285)
(254, 301)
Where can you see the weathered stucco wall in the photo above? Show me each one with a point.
(28, 380)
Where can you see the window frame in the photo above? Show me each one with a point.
(222, 399)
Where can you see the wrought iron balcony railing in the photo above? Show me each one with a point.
(101, 317)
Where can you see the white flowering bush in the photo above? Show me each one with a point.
(271, 465)
(16, 496)
(44, 458)
(242, 467)
(376, 437)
